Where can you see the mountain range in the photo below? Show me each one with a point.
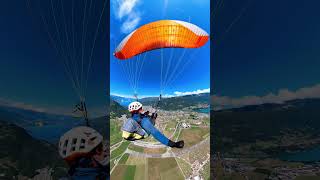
(21, 154)
(168, 103)
(232, 128)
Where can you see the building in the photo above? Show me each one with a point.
(185, 125)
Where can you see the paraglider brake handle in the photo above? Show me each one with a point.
(78, 107)
(154, 115)
(136, 96)
(157, 105)
(81, 107)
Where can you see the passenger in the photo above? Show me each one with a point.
(141, 125)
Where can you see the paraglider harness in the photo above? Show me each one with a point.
(132, 130)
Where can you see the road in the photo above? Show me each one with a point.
(169, 153)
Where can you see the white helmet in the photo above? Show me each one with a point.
(134, 106)
(78, 141)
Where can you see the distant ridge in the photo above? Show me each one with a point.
(22, 154)
(266, 122)
(116, 110)
(168, 103)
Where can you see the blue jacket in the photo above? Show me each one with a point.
(83, 171)
(89, 174)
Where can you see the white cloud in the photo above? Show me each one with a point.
(131, 23)
(127, 9)
(167, 96)
(283, 95)
(177, 93)
(122, 95)
(199, 91)
(132, 97)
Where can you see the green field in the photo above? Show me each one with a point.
(185, 167)
(112, 164)
(117, 152)
(163, 168)
(177, 134)
(130, 172)
(193, 135)
(124, 158)
(170, 125)
(140, 163)
(123, 172)
(115, 132)
(154, 150)
(206, 121)
(206, 172)
(136, 148)
(135, 160)
(140, 172)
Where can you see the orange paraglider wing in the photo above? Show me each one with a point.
(161, 34)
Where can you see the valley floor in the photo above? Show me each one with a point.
(148, 159)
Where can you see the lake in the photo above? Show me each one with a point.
(50, 133)
(310, 155)
(202, 110)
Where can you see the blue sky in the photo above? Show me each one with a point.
(31, 72)
(266, 51)
(194, 77)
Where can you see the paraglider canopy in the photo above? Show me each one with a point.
(161, 34)
(173, 34)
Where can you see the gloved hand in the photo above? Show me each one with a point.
(178, 144)
(146, 113)
(154, 116)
